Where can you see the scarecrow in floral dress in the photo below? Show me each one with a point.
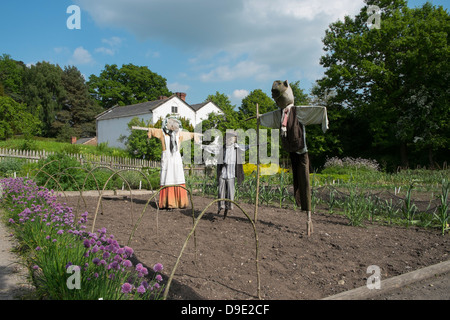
(172, 170)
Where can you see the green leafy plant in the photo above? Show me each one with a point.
(355, 207)
(441, 214)
(409, 209)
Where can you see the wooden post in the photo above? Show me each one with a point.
(257, 163)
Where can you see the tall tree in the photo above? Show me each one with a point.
(381, 73)
(127, 85)
(44, 93)
(77, 116)
(11, 77)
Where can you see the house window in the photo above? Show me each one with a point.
(174, 109)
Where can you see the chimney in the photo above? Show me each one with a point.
(181, 95)
(162, 97)
(74, 140)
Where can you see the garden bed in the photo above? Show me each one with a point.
(292, 266)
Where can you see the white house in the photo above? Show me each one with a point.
(113, 123)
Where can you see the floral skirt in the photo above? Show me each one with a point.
(173, 198)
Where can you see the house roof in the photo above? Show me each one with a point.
(198, 106)
(131, 110)
(142, 108)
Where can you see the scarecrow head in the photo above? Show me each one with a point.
(282, 93)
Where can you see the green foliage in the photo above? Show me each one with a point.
(44, 92)
(76, 118)
(62, 168)
(10, 165)
(11, 77)
(127, 85)
(138, 145)
(229, 119)
(14, 119)
(394, 79)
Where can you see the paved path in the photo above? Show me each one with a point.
(14, 284)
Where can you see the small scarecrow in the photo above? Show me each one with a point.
(229, 168)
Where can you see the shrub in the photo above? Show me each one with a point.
(10, 165)
(62, 168)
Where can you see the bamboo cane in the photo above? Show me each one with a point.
(257, 163)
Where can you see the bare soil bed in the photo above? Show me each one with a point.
(292, 265)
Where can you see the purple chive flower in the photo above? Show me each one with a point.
(158, 277)
(127, 263)
(38, 248)
(141, 289)
(87, 243)
(158, 267)
(129, 251)
(126, 287)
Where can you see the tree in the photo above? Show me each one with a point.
(248, 107)
(300, 98)
(137, 143)
(11, 77)
(127, 85)
(77, 116)
(221, 122)
(393, 79)
(14, 119)
(44, 93)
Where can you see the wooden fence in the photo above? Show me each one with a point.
(117, 163)
(96, 160)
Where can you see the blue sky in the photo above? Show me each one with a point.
(199, 46)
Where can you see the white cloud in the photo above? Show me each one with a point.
(231, 39)
(106, 51)
(177, 87)
(81, 56)
(61, 50)
(242, 69)
(152, 54)
(113, 44)
(240, 94)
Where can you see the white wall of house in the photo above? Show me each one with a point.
(110, 130)
(202, 113)
(183, 110)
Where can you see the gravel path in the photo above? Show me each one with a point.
(14, 284)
